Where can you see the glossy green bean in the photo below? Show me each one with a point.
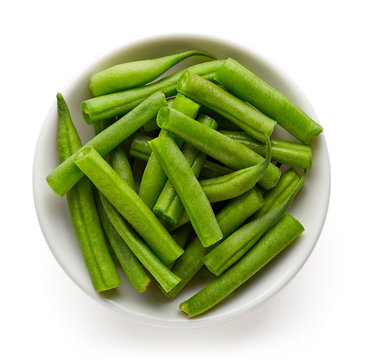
(188, 188)
(229, 219)
(67, 174)
(232, 185)
(212, 170)
(249, 87)
(236, 245)
(83, 212)
(154, 178)
(285, 152)
(182, 220)
(166, 278)
(128, 204)
(136, 73)
(271, 244)
(105, 107)
(152, 125)
(214, 97)
(129, 262)
(168, 206)
(218, 146)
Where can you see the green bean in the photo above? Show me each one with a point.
(182, 220)
(271, 244)
(236, 245)
(214, 97)
(166, 279)
(247, 86)
(182, 234)
(132, 74)
(285, 152)
(212, 170)
(83, 212)
(279, 193)
(204, 273)
(232, 185)
(154, 178)
(168, 206)
(188, 188)
(67, 174)
(128, 204)
(130, 264)
(105, 107)
(229, 219)
(99, 127)
(215, 144)
(140, 148)
(152, 125)
(120, 163)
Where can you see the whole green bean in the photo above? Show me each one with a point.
(241, 114)
(166, 279)
(67, 174)
(168, 206)
(212, 170)
(215, 144)
(285, 152)
(232, 185)
(128, 204)
(188, 188)
(120, 163)
(136, 73)
(83, 212)
(130, 264)
(272, 243)
(229, 219)
(247, 86)
(105, 107)
(154, 177)
(236, 245)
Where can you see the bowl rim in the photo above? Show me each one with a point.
(199, 321)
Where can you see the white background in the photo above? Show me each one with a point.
(320, 44)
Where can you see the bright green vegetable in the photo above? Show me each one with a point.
(188, 188)
(204, 273)
(285, 152)
(132, 74)
(67, 174)
(99, 127)
(215, 144)
(105, 107)
(130, 264)
(229, 219)
(212, 170)
(128, 204)
(83, 212)
(232, 185)
(272, 243)
(236, 245)
(166, 279)
(182, 234)
(248, 87)
(140, 148)
(214, 97)
(152, 125)
(168, 206)
(182, 220)
(154, 178)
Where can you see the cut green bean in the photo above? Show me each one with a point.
(67, 174)
(83, 212)
(272, 243)
(129, 262)
(237, 183)
(120, 163)
(132, 74)
(154, 178)
(204, 273)
(285, 152)
(249, 87)
(212, 170)
(229, 219)
(105, 107)
(152, 125)
(218, 146)
(128, 204)
(182, 220)
(236, 245)
(214, 97)
(188, 188)
(166, 279)
(140, 148)
(168, 206)
(182, 234)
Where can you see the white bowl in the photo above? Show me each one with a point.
(310, 206)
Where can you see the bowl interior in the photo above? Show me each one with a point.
(310, 206)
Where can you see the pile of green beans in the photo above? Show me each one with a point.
(210, 203)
